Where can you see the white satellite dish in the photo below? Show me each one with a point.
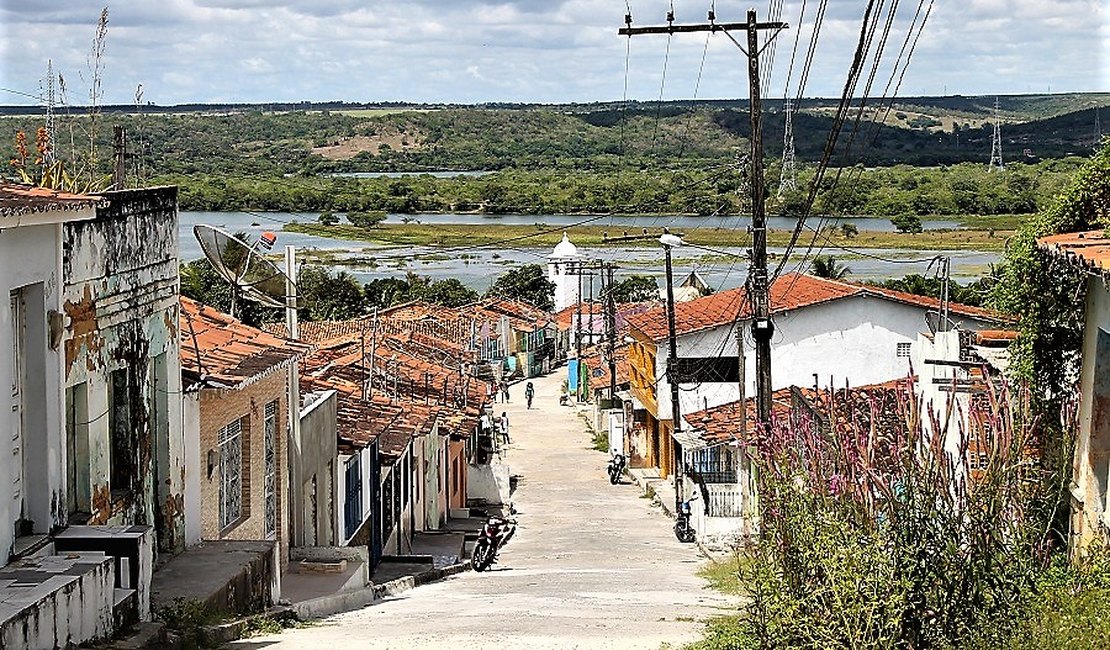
(242, 264)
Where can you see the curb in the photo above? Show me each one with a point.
(351, 600)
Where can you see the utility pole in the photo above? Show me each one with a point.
(578, 340)
(611, 329)
(762, 327)
(673, 379)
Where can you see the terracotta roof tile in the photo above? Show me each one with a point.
(1090, 249)
(17, 200)
(217, 349)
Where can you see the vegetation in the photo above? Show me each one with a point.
(540, 235)
(875, 536)
(636, 288)
(826, 266)
(528, 283)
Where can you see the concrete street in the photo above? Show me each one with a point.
(592, 565)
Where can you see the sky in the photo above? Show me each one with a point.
(549, 51)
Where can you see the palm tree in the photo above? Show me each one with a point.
(826, 266)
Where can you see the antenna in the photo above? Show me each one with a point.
(996, 141)
(788, 179)
(48, 155)
(249, 274)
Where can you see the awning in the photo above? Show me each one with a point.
(690, 439)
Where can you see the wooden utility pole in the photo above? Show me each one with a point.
(758, 279)
(611, 328)
(673, 379)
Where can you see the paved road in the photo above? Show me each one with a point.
(592, 565)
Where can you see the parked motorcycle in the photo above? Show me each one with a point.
(495, 534)
(616, 467)
(682, 528)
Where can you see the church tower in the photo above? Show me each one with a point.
(562, 270)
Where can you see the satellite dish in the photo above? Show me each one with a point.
(242, 264)
(938, 323)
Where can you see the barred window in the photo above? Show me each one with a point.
(903, 350)
(269, 441)
(230, 441)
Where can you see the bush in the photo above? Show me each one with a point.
(875, 536)
(907, 222)
(366, 219)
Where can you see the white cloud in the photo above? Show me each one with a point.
(523, 50)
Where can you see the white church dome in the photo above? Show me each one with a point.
(565, 248)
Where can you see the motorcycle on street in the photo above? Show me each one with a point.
(682, 528)
(616, 467)
(495, 534)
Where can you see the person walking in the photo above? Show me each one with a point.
(504, 426)
(529, 393)
(504, 391)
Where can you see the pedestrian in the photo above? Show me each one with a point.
(529, 392)
(504, 425)
(504, 391)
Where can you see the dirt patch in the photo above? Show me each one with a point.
(349, 147)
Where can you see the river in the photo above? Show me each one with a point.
(477, 268)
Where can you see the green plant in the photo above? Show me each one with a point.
(875, 535)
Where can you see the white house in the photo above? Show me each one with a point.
(827, 333)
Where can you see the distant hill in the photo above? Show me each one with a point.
(335, 137)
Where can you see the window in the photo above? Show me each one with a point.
(269, 453)
(903, 350)
(230, 442)
(694, 370)
(352, 506)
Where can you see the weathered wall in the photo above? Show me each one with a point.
(314, 455)
(30, 256)
(1090, 512)
(218, 408)
(120, 307)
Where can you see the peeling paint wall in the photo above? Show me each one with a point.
(121, 343)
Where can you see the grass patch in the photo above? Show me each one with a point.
(452, 235)
(722, 576)
(601, 441)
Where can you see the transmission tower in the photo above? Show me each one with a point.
(996, 141)
(789, 178)
(48, 155)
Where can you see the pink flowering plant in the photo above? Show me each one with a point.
(885, 524)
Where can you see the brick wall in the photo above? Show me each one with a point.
(218, 408)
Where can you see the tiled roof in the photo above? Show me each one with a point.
(220, 351)
(564, 319)
(791, 291)
(722, 423)
(17, 200)
(1090, 249)
(599, 367)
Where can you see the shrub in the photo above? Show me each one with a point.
(876, 534)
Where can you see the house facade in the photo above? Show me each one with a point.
(236, 409)
(96, 446)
